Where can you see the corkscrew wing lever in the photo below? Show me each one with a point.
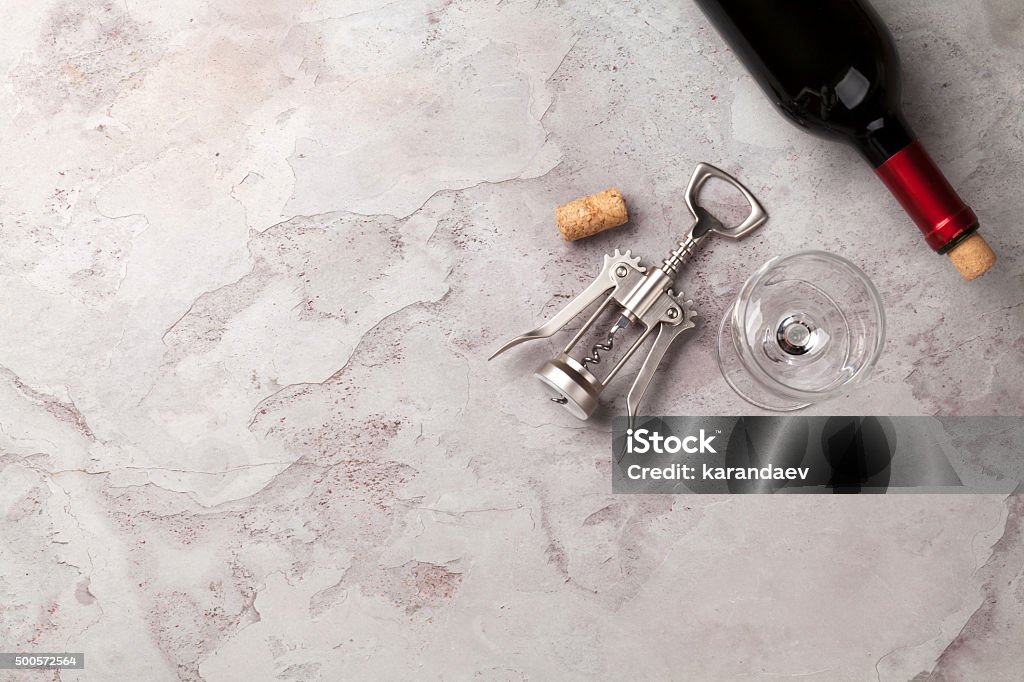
(618, 272)
(667, 334)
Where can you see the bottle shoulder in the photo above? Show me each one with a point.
(829, 65)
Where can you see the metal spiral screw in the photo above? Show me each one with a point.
(595, 351)
(594, 358)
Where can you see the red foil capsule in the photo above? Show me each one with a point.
(925, 194)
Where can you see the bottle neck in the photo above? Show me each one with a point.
(919, 185)
(884, 138)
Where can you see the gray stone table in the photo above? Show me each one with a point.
(255, 256)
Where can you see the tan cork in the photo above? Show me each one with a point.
(972, 257)
(590, 215)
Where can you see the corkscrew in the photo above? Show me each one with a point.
(643, 296)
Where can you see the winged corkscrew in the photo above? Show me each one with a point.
(641, 296)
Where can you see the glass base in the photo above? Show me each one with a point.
(740, 380)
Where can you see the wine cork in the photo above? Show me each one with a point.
(590, 215)
(972, 257)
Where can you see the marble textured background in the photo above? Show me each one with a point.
(255, 255)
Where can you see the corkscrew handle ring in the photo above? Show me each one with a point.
(705, 222)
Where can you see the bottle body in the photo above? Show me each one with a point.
(831, 67)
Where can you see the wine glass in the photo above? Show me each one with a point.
(803, 327)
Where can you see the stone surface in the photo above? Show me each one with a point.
(257, 253)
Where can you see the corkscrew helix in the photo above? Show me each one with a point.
(645, 297)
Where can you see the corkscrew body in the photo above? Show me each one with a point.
(644, 298)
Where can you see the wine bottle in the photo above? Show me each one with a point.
(831, 67)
